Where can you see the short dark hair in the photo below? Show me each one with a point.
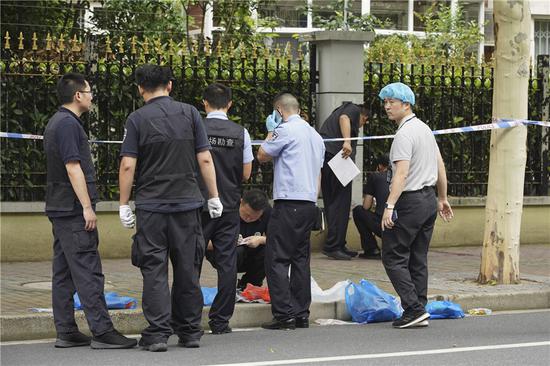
(151, 77)
(68, 85)
(365, 109)
(256, 199)
(383, 160)
(217, 95)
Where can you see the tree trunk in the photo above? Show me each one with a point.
(500, 255)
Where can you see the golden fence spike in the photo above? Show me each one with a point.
(146, 46)
(300, 54)
(171, 46)
(21, 38)
(266, 52)
(207, 47)
(195, 48)
(288, 51)
(158, 46)
(231, 50)
(34, 40)
(48, 42)
(277, 52)
(243, 50)
(74, 43)
(219, 49)
(7, 43)
(133, 49)
(61, 44)
(254, 53)
(120, 45)
(108, 49)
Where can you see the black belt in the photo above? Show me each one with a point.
(424, 189)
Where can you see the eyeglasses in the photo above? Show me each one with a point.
(86, 91)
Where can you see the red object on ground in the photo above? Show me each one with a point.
(252, 292)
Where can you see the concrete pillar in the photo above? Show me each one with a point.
(410, 16)
(310, 14)
(340, 64)
(365, 7)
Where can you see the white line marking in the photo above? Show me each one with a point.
(388, 355)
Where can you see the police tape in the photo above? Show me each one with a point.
(498, 123)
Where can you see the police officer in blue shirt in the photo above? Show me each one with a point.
(71, 195)
(165, 146)
(232, 154)
(297, 151)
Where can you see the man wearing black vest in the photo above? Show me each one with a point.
(166, 145)
(71, 196)
(232, 155)
(344, 122)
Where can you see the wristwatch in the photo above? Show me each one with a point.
(389, 206)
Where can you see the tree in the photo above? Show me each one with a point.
(500, 254)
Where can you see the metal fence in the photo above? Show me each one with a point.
(446, 97)
(255, 74)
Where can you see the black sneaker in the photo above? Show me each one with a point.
(338, 255)
(224, 330)
(280, 324)
(158, 346)
(351, 253)
(112, 340)
(75, 339)
(302, 322)
(410, 319)
(189, 343)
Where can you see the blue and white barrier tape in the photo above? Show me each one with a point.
(498, 124)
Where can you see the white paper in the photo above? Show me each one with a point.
(344, 169)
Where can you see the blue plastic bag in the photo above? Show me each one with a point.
(113, 300)
(368, 304)
(208, 294)
(444, 310)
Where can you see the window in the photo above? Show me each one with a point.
(542, 37)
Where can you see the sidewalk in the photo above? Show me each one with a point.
(452, 275)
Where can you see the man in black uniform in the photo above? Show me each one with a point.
(344, 122)
(254, 212)
(232, 155)
(165, 141)
(70, 205)
(368, 223)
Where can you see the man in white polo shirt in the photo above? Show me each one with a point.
(411, 207)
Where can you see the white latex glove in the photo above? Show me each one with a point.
(127, 217)
(215, 207)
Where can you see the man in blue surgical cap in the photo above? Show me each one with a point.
(411, 208)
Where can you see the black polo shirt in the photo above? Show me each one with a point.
(258, 226)
(67, 137)
(378, 187)
(331, 128)
(130, 147)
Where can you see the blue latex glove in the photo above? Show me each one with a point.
(272, 121)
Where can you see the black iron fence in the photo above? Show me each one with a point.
(28, 97)
(446, 97)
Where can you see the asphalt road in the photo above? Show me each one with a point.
(519, 338)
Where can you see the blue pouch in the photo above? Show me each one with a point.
(208, 294)
(113, 300)
(444, 310)
(366, 303)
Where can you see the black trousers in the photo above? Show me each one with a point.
(176, 235)
(337, 204)
(368, 224)
(77, 267)
(405, 247)
(288, 246)
(223, 232)
(251, 262)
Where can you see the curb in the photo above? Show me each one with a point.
(41, 326)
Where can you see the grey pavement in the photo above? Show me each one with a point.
(519, 338)
(453, 271)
